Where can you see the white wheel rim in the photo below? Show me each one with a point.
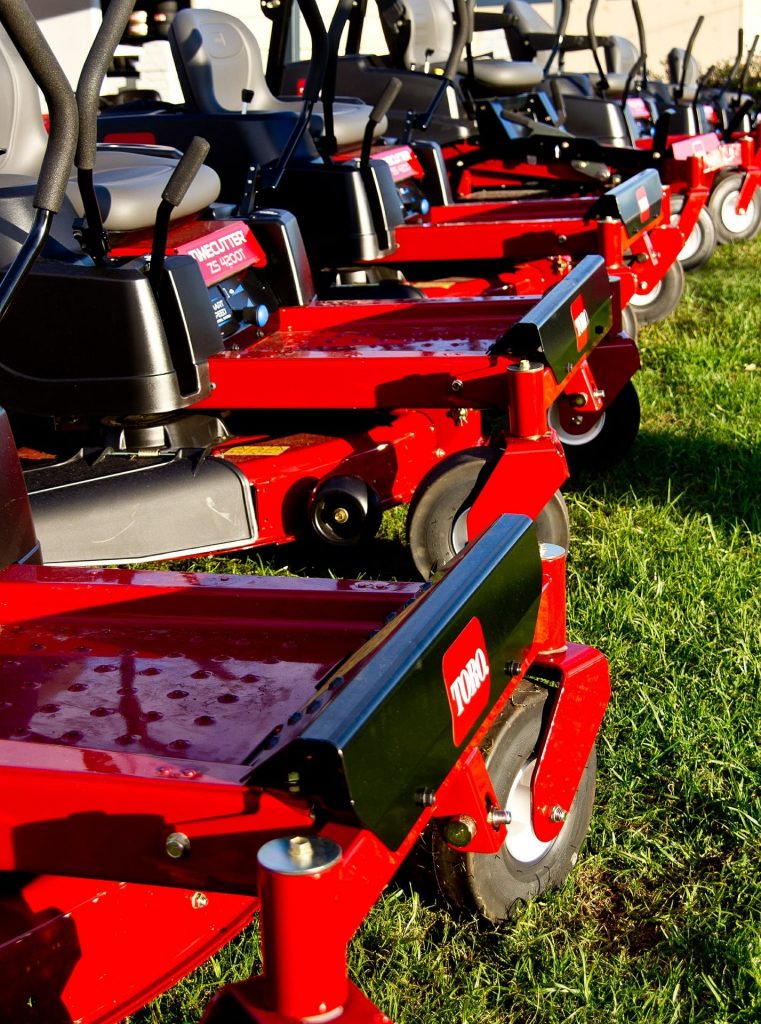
(460, 532)
(692, 244)
(522, 843)
(733, 221)
(643, 299)
(575, 439)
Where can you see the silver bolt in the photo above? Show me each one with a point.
(558, 813)
(177, 845)
(341, 516)
(499, 816)
(598, 393)
(199, 900)
(577, 421)
(524, 365)
(456, 384)
(300, 850)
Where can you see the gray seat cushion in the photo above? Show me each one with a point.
(505, 77)
(129, 187)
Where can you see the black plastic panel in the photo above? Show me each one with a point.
(367, 753)
(238, 141)
(567, 322)
(636, 202)
(116, 510)
(93, 341)
(333, 210)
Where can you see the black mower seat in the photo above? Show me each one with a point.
(217, 57)
(504, 77)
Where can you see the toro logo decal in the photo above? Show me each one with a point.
(580, 319)
(643, 203)
(467, 679)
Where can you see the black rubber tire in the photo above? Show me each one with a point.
(701, 245)
(662, 300)
(629, 322)
(730, 228)
(446, 494)
(496, 885)
(609, 440)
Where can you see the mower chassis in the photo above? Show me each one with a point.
(195, 777)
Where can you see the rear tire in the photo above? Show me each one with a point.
(436, 522)
(496, 885)
(662, 300)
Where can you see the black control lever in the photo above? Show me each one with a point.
(26, 36)
(175, 191)
(679, 91)
(112, 28)
(377, 114)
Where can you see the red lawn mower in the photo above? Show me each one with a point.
(622, 94)
(180, 751)
(492, 246)
(493, 147)
(309, 423)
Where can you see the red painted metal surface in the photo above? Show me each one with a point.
(412, 354)
(582, 696)
(304, 958)
(83, 650)
(158, 663)
(74, 949)
(525, 480)
(525, 388)
(246, 1001)
(468, 790)
(392, 457)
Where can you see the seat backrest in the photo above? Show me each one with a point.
(217, 56)
(431, 32)
(620, 55)
(22, 133)
(675, 61)
(523, 18)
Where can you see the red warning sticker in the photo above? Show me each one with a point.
(580, 319)
(643, 203)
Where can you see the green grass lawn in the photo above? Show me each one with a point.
(661, 919)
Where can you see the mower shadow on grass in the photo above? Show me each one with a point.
(697, 474)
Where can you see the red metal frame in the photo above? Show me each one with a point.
(119, 645)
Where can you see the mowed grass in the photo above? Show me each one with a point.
(661, 919)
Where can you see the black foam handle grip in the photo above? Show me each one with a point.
(185, 171)
(310, 12)
(91, 78)
(20, 25)
(386, 101)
